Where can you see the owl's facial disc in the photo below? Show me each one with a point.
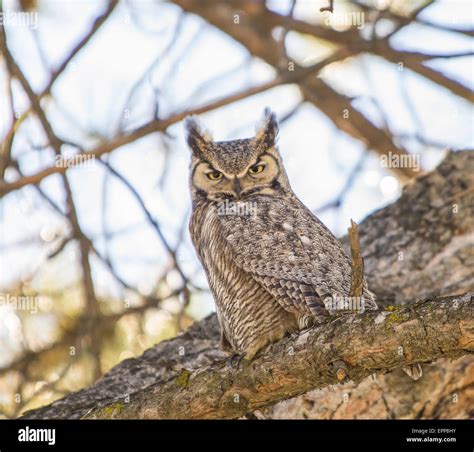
(258, 177)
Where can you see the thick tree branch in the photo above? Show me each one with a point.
(368, 343)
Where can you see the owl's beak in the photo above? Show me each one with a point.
(236, 186)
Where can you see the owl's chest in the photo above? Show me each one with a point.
(249, 315)
(216, 254)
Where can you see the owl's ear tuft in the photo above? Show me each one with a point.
(197, 138)
(267, 131)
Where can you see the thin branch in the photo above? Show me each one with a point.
(357, 265)
(148, 215)
(413, 61)
(329, 8)
(6, 148)
(273, 19)
(464, 31)
(98, 22)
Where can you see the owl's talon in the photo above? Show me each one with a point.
(414, 371)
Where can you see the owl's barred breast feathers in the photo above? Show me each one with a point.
(272, 266)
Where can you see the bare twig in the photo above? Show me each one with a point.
(329, 8)
(98, 22)
(357, 265)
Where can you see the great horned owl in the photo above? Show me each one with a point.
(272, 266)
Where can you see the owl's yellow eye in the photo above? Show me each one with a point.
(214, 175)
(257, 168)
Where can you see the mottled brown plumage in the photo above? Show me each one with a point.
(272, 266)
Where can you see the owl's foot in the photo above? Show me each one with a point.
(414, 371)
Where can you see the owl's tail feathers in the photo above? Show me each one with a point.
(414, 371)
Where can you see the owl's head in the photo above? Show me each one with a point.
(236, 169)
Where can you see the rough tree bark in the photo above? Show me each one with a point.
(351, 348)
(420, 246)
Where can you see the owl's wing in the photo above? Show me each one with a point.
(291, 253)
(298, 298)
